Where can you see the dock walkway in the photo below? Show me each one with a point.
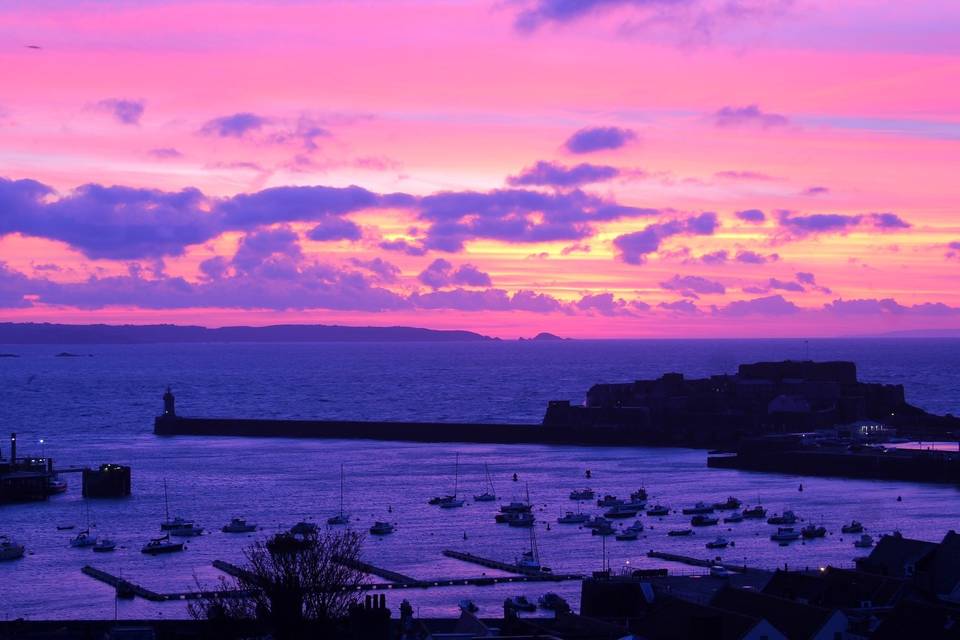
(512, 568)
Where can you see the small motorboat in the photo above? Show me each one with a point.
(658, 510)
(627, 534)
(598, 521)
(636, 526)
(697, 509)
(736, 516)
(452, 503)
(729, 503)
(520, 603)
(719, 571)
(239, 525)
(175, 523)
(788, 517)
(582, 494)
(522, 519)
(640, 495)
(701, 520)
(621, 511)
(484, 497)
(718, 543)
(303, 528)
(756, 513)
(573, 518)
(56, 485)
(65, 527)
(339, 519)
(163, 544)
(187, 531)
(516, 507)
(813, 531)
(381, 528)
(673, 533)
(853, 527)
(104, 545)
(785, 534)
(83, 540)
(609, 501)
(602, 530)
(10, 549)
(553, 602)
(469, 606)
(436, 500)
(864, 542)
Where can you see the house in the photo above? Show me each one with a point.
(675, 619)
(940, 571)
(896, 556)
(920, 620)
(834, 588)
(793, 619)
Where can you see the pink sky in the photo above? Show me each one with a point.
(836, 124)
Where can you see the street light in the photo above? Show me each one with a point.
(43, 450)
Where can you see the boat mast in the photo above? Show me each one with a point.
(341, 490)
(456, 475)
(166, 503)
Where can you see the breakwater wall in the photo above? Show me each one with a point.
(168, 425)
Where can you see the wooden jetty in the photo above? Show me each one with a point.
(121, 585)
(373, 570)
(698, 562)
(534, 574)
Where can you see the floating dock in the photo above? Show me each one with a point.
(511, 568)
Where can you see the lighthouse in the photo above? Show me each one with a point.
(169, 410)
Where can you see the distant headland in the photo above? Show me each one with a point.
(45, 333)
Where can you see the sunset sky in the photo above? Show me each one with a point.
(594, 168)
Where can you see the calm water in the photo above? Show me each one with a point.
(97, 409)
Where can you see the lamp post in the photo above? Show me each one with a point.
(43, 450)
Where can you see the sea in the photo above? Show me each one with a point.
(99, 407)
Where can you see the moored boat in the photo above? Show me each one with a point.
(621, 511)
(701, 520)
(788, 517)
(729, 503)
(553, 602)
(718, 543)
(658, 510)
(303, 528)
(573, 518)
(239, 525)
(813, 531)
(853, 527)
(756, 512)
(163, 544)
(673, 533)
(785, 534)
(609, 501)
(381, 528)
(10, 549)
(864, 542)
(698, 509)
(187, 531)
(582, 494)
(736, 516)
(520, 603)
(83, 539)
(104, 545)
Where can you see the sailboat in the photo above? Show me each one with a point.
(340, 518)
(529, 561)
(452, 502)
(176, 523)
(489, 495)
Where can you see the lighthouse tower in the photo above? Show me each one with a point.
(169, 410)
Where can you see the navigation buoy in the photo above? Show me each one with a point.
(587, 473)
(801, 487)
(515, 477)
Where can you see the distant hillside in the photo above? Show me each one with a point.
(44, 333)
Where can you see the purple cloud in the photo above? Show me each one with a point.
(786, 285)
(750, 115)
(552, 174)
(592, 139)
(680, 306)
(889, 221)
(754, 216)
(603, 303)
(815, 191)
(692, 284)
(233, 126)
(715, 257)
(634, 247)
(402, 246)
(486, 300)
(752, 257)
(335, 228)
(775, 305)
(865, 306)
(123, 111)
(383, 271)
(742, 175)
(836, 222)
(165, 153)
(440, 273)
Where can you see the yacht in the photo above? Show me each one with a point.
(522, 519)
(658, 510)
(520, 603)
(598, 521)
(736, 516)
(381, 528)
(864, 542)
(756, 512)
(701, 520)
(621, 511)
(640, 495)
(10, 549)
(163, 544)
(440, 499)
(83, 540)
(605, 529)
(553, 602)
(303, 528)
(516, 507)
(853, 527)
(673, 533)
(451, 501)
(813, 531)
(729, 503)
(698, 509)
(175, 523)
(718, 543)
(187, 531)
(239, 525)
(341, 517)
(785, 534)
(573, 518)
(489, 495)
(627, 534)
(582, 494)
(788, 517)
(104, 545)
(608, 501)
(529, 560)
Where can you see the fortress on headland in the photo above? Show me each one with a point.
(761, 399)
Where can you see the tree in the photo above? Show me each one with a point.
(296, 585)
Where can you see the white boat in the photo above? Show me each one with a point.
(104, 545)
(187, 531)
(381, 528)
(168, 523)
(736, 516)
(55, 484)
(239, 525)
(865, 541)
(489, 495)
(718, 543)
(522, 519)
(573, 518)
(160, 545)
(83, 539)
(529, 560)
(340, 518)
(785, 534)
(451, 501)
(10, 549)
(582, 494)
(788, 517)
